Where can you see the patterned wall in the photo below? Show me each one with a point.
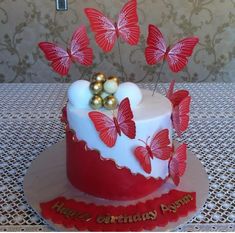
(23, 23)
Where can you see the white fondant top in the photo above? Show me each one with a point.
(151, 115)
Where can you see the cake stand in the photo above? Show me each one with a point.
(46, 179)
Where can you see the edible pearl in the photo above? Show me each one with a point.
(98, 77)
(130, 90)
(110, 86)
(96, 87)
(110, 102)
(114, 78)
(79, 94)
(96, 102)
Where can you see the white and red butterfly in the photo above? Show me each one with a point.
(106, 32)
(78, 51)
(176, 97)
(109, 128)
(158, 147)
(176, 56)
(177, 164)
(181, 105)
(180, 115)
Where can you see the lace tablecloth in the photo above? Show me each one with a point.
(29, 123)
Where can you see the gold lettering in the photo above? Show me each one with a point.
(127, 219)
(107, 219)
(70, 213)
(77, 215)
(73, 214)
(153, 214)
(110, 219)
(173, 207)
(185, 200)
(145, 216)
(190, 197)
(67, 212)
(137, 218)
(164, 208)
(120, 219)
(113, 219)
(177, 204)
(85, 216)
(57, 206)
(100, 219)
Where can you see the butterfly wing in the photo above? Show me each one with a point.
(174, 171)
(177, 56)
(127, 23)
(79, 47)
(177, 163)
(156, 48)
(125, 119)
(160, 145)
(178, 96)
(181, 156)
(180, 117)
(143, 157)
(105, 126)
(60, 60)
(104, 29)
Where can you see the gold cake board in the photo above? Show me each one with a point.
(46, 179)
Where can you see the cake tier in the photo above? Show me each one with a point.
(152, 115)
(92, 174)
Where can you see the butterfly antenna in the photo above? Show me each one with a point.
(147, 139)
(142, 141)
(158, 77)
(120, 57)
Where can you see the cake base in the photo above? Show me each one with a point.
(46, 179)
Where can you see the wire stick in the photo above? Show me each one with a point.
(83, 72)
(158, 78)
(120, 57)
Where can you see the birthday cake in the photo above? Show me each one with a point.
(119, 137)
(122, 174)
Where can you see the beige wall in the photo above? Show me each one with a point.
(23, 23)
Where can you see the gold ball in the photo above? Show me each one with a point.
(96, 102)
(110, 102)
(96, 87)
(98, 77)
(114, 78)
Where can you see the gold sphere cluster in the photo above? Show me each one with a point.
(103, 90)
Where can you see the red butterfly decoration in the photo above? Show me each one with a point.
(181, 106)
(77, 52)
(159, 148)
(177, 56)
(106, 32)
(176, 97)
(177, 164)
(109, 128)
(180, 117)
